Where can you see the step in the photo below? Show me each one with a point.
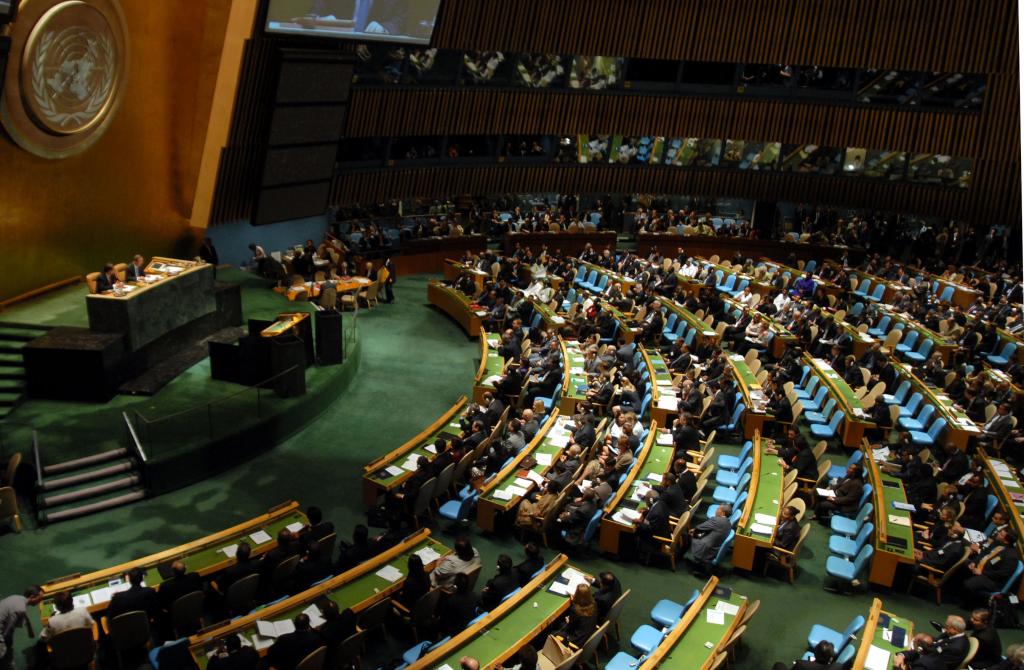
(13, 347)
(12, 372)
(19, 334)
(8, 399)
(86, 476)
(121, 497)
(92, 490)
(84, 461)
(12, 358)
(12, 385)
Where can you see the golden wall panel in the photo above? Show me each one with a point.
(132, 190)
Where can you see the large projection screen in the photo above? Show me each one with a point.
(408, 21)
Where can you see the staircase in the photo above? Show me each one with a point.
(14, 336)
(88, 485)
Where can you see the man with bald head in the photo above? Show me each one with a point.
(182, 582)
(469, 663)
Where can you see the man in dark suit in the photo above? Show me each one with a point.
(531, 564)
(944, 557)
(607, 590)
(565, 467)
(285, 549)
(991, 568)
(500, 585)
(684, 436)
(289, 649)
(136, 269)
(823, 659)
(107, 279)
(655, 522)
(952, 646)
(181, 583)
(584, 435)
(457, 609)
(317, 529)
(954, 466)
(672, 494)
(233, 656)
(922, 656)
(136, 598)
(990, 647)
(788, 531)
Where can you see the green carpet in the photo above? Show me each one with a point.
(415, 363)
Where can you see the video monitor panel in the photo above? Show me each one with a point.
(405, 21)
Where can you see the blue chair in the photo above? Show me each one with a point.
(676, 332)
(670, 323)
(732, 477)
(990, 505)
(739, 288)
(864, 496)
(922, 352)
(668, 612)
(827, 431)
(730, 283)
(646, 638)
(946, 295)
(737, 509)
(1004, 356)
(589, 531)
(856, 310)
(413, 653)
(727, 462)
(850, 527)
(602, 283)
(849, 651)
(622, 661)
(907, 345)
(910, 409)
(824, 414)
(877, 293)
(728, 494)
(931, 437)
(817, 402)
(849, 547)
(839, 471)
(581, 273)
(1013, 578)
(897, 397)
(734, 421)
(570, 298)
(847, 571)
(920, 422)
(724, 550)
(819, 633)
(590, 281)
(811, 265)
(615, 332)
(535, 322)
(862, 288)
(688, 340)
(807, 392)
(510, 594)
(881, 328)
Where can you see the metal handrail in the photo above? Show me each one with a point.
(134, 436)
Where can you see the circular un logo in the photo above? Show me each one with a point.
(63, 93)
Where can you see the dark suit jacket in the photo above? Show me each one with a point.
(140, 598)
(656, 520)
(787, 534)
(675, 499)
(245, 658)
(289, 650)
(990, 648)
(952, 651)
(103, 283)
(686, 438)
(456, 611)
(134, 273)
(236, 572)
(525, 570)
(497, 588)
(943, 558)
(176, 587)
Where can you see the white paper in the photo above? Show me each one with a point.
(628, 515)
(315, 617)
(667, 403)
(390, 573)
(516, 490)
(716, 617)
(534, 477)
(101, 595)
(295, 527)
(229, 550)
(430, 448)
(766, 519)
(761, 529)
(428, 555)
(260, 642)
(665, 439)
(502, 494)
(974, 535)
(826, 493)
(656, 477)
(393, 470)
(524, 484)
(260, 537)
(543, 459)
(560, 588)
(906, 507)
(82, 601)
(727, 607)
(445, 667)
(411, 465)
(878, 659)
(558, 440)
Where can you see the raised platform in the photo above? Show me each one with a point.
(193, 426)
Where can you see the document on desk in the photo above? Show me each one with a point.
(766, 519)
(260, 642)
(716, 617)
(315, 616)
(906, 507)
(664, 439)
(260, 537)
(230, 551)
(878, 659)
(535, 477)
(761, 529)
(558, 440)
(430, 448)
(273, 629)
(543, 459)
(727, 608)
(101, 595)
(394, 470)
(295, 527)
(524, 484)
(502, 494)
(390, 573)
(899, 520)
(517, 490)
(428, 555)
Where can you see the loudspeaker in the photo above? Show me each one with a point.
(329, 345)
(288, 365)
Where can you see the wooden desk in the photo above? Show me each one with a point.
(726, 247)
(376, 480)
(855, 421)
(456, 305)
(704, 334)
(861, 341)
(574, 378)
(568, 244)
(1000, 377)
(491, 365)
(783, 338)
(763, 499)
(510, 625)
(654, 460)
(613, 277)
(493, 502)
(358, 589)
(892, 289)
(940, 344)
(756, 415)
(552, 321)
(874, 635)
(685, 648)
(627, 331)
(664, 399)
(763, 289)
(1006, 484)
(886, 490)
(181, 293)
(286, 323)
(959, 427)
(830, 288)
(204, 556)
(453, 269)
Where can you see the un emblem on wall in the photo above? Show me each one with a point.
(67, 69)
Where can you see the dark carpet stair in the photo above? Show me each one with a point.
(14, 336)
